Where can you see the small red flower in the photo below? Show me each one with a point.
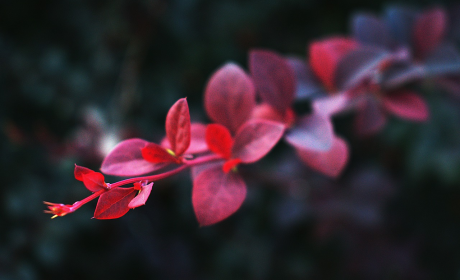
(58, 210)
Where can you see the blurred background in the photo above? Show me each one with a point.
(76, 77)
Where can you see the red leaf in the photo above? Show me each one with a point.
(79, 171)
(326, 54)
(331, 162)
(114, 203)
(197, 141)
(178, 127)
(217, 195)
(94, 181)
(126, 160)
(313, 132)
(274, 78)
(429, 31)
(230, 164)
(255, 139)
(229, 96)
(407, 105)
(157, 154)
(219, 140)
(370, 118)
(142, 197)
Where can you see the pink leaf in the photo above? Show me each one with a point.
(198, 169)
(325, 56)
(229, 96)
(178, 127)
(217, 195)
(370, 118)
(331, 105)
(255, 139)
(429, 31)
(331, 162)
(407, 105)
(126, 159)
(267, 112)
(219, 140)
(157, 154)
(142, 197)
(274, 78)
(313, 132)
(114, 203)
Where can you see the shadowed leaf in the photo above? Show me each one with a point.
(400, 22)
(407, 105)
(370, 30)
(308, 86)
(370, 118)
(274, 78)
(429, 30)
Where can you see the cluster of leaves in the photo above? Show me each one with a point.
(371, 74)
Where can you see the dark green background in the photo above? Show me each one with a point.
(77, 73)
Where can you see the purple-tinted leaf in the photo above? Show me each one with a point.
(114, 203)
(402, 74)
(331, 162)
(308, 86)
(331, 105)
(126, 160)
(274, 78)
(255, 139)
(217, 195)
(429, 30)
(178, 127)
(359, 65)
(313, 132)
(370, 30)
(407, 105)
(444, 60)
(370, 118)
(400, 22)
(142, 197)
(230, 96)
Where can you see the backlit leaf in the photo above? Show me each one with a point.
(274, 78)
(178, 127)
(157, 154)
(94, 181)
(219, 140)
(229, 96)
(126, 159)
(114, 203)
(217, 195)
(255, 139)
